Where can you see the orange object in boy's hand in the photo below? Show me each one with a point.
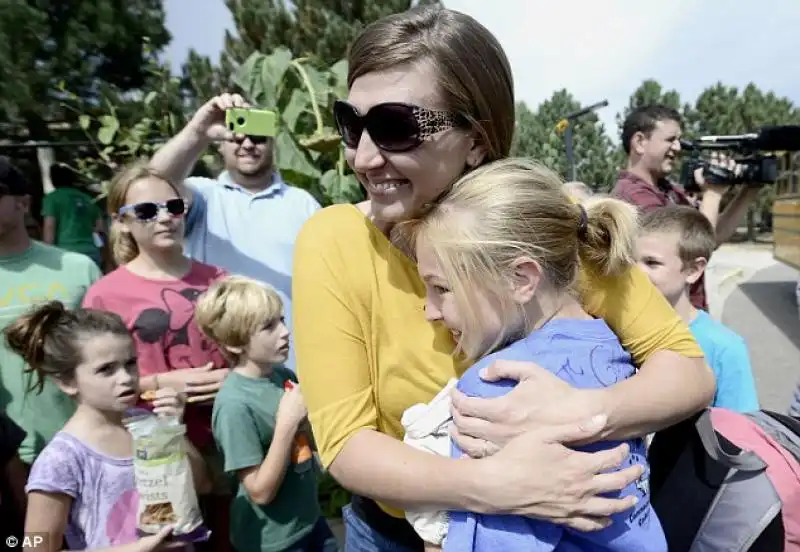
(301, 451)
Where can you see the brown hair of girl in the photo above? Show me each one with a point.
(49, 338)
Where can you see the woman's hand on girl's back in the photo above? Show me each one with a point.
(199, 384)
(541, 399)
(169, 402)
(535, 475)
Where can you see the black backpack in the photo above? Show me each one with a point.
(712, 496)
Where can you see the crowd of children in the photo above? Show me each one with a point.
(136, 342)
(209, 347)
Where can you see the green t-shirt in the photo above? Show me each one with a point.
(243, 422)
(40, 273)
(75, 215)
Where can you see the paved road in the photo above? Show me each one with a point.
(762, 308)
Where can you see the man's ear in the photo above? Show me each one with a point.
(638, 141)
(525, 277)
(695, 269)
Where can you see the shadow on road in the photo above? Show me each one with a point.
(776, 301)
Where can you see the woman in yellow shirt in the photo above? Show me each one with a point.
(430, 97)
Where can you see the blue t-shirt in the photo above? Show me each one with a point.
(727, 355)
(586, 354)
(251, 234)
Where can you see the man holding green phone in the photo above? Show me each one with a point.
(247, 219)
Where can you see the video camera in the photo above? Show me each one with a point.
(755, 152)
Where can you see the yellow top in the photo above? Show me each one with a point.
(365, 352)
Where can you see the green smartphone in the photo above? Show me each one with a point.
(255, 122)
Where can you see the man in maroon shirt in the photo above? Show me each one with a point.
(651, 139)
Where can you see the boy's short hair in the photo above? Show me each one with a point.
(697, 235)
(235, 308)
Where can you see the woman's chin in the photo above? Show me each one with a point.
(396, 211)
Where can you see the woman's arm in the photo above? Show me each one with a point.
(513, 481)
(673, 381)
(667, 389)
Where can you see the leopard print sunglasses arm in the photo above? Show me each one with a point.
(433, 121)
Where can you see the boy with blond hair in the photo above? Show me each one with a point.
(674, 246)
(258, 422)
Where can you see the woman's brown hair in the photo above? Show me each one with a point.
(474, 73)
(49, 339)
(123, 246)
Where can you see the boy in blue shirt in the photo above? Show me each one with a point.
(673, 247)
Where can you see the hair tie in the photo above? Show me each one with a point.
(583, 225)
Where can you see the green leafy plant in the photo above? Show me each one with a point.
(126, 126)
(307, 148)
(332, 497)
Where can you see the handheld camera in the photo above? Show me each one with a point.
(753, 151)
(253, 122)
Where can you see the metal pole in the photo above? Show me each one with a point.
(566, 124)
(570, 157)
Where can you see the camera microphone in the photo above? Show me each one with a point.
(779, 138)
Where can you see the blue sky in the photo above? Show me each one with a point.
(598, 50)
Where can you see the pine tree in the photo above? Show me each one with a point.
(536, 137)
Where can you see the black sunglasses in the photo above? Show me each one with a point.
(393, 126)
(257, 140)
(148, 210)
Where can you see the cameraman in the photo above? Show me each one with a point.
(651, 139)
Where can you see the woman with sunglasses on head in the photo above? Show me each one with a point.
(430, 98)
(154, 289)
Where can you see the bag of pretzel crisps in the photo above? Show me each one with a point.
(164, 478)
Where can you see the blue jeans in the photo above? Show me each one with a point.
(320, 539)
(359, 536)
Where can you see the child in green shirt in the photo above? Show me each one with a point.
(258, 420)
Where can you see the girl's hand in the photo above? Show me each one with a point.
(200, 384)
(153, 543)
(169, 403)
(535, 475)
(483, 426)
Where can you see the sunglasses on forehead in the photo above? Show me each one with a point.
(393, 126)
(148, 210)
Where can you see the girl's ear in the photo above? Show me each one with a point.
(237, 351)
(70, 389)
(526, 275)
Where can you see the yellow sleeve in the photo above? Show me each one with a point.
(330, 346)
(637, 312)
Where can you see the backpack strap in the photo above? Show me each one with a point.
(744, 461)
(784, 429)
